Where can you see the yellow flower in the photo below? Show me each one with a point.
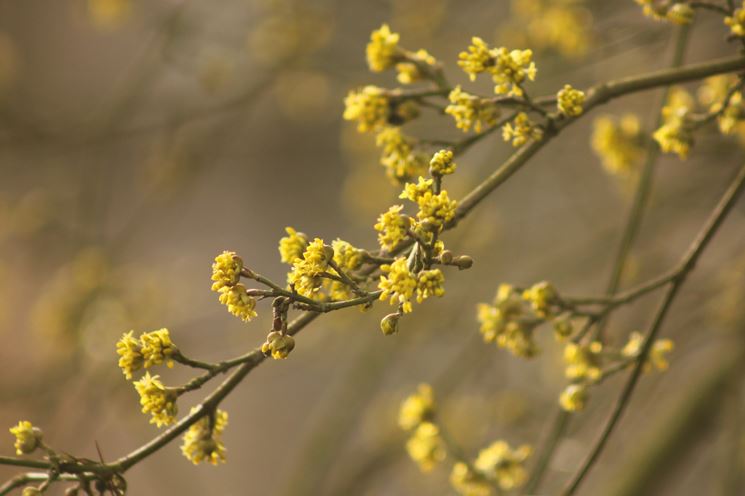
(570, 101)
(680, 13)
(541, 295)
(398, 284)
(562, 327)
(369, 107)
(502, 322)
(382, 50)
(31, 491)
(414, 192)
(226, 271)
(467, 482)
(469, 111)
(713, 94)
(425, 446)
(389, 324)
(239, 302)
(130, 354)
(618, 144)
(392, 227)
(292, 246)
(583, 360)
(157, 348)
(278, 345)
(520, 130)
(410, 71)
(657, 354)
(306, 272)
(504, 464)
(508, 68)
(442, 163)
(573, 397)
(429, 283)
(28, 437)
(436, 209)
(346, 256)
(675, 134)
(479, 58)
(417, 408)
(203, 440)
(736, 22)
(157, 400)
(400, 157)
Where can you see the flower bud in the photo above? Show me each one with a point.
(446, 257)
(463, 262)
(389, 324)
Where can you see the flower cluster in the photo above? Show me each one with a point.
(506, 323)
(278, 345)
(157, 400)
(675, 134)
(306, 275)
(28, 437)
(503, 464)
(657, 357)
(417, 408)
(382, 51)
(736, 22)
(152, 348)
(425, 446)
(226, 272)
(392, 227)
(469, 482)
(570, 101)
(677, 13)
(203, 440)
(434, 209)
(470, 111)
(618, 143)
(411, 71)
(520, 130)
(713, 94)
(400, 156)
(442, 163)
(292, 246)
(398, 284)
(508, 68)
(368, 106)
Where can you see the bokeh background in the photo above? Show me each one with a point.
(140, 139)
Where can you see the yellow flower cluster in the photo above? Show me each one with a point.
(306, 272)
(736, 22)
(675, 136)
(570, 101)
(398, 284)
(573, 397)
(508, 68)
(368, 106)
(520, 130)
(657, 357)
(584, 361)
(468, 482)
(203, 440)
(28, 437)
(502, 322)
(425, 446)
(435, 209)
(226, 272)
(417, 408)
(618, 143)
(392, 227)
(677, 13)
(470, 111)
(382, 50)
(400, 157)
(505, 465)
(411, 71)
(540, 296)
(278, 345)
(713, 94)
(157, 400)
(292, 246)
(153, 348)
(442, 163)
(429, 283)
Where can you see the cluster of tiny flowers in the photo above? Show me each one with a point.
(503, 464)
(410, 72)
(677, 13)
(675, 135)
(435, 209)
(570, 101)
(400, 157)
(425, 446)
(417, 408)
(306, 275)
(153, 348)
(382, 50)
(157, 400)
(28, 437)
(736, 22)
(713, 94)
(618, 143)
(470, 111)
(398, 284)
(520, 130)
(584, 361)
(393, 227)
(292, 246)
(278, 345)
(657, 357)
(508, 68)
(442, 163)
(503, 322)
(468, 482)
(203, 441)
(226, 272)
(369, 106)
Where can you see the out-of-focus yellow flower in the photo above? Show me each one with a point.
(28, 437)
(467, 482)
(292, 246)
(109, 14)
(618, 143)
(675, 135)
(520, 130)
(657, 354)
(203, 441)
(425, 446)
(541, 295)
(570, 101)
(382, 50)
(573, 397)
(400, 156)
(417, 408)
(504, 464)
(583, 360)
(736, 22)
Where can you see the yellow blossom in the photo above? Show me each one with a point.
(369, 107)
(468, 482)
(583, 360)
(479, 58)
(306, 274)
(436, 209)
(226, 271)
(410, 71)
(417, 408)
(570, 101)
(203, 440)
(618, 144)
(504, 464)
(278, 345)
(675, 134)
(400, 156)
(425, 446)
(680, 13)
(392, 227)
(573, 397)
(130, 354)
(657, 354)
(508, 68)
(382, 50)
(442, 163)
(541, 295)
(398, 284)
(470, 111)
(414, 192)
(429, 283)
(31, 491)
(389, 323)
(713, 94)
(239, 302)
(520, 130)
(292, 246)
(736, 22)
(157, 348)
(502, 322)
(28, 437)
(157, 400)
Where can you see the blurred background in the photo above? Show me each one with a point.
(140, 139)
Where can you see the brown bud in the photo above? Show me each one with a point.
(389, 324)
(463, 262)
(446, 257)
